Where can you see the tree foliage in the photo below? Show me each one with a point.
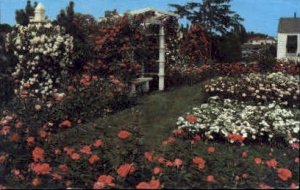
(81, 27)
(195, 45)
(23, 15)
(214, 15)
(219, 21)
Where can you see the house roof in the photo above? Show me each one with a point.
(289, 25)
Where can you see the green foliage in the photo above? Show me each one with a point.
(23, 15)
(214, 15)
(80, 103)
(82, 27)
(266, 59)
(229, 49)
(194, 45)
(218, 19)
(7, 63)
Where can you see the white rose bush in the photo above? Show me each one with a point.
(278, 86)
(44, 54)
(236, 121)
(253, 107)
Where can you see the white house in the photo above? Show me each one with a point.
(288, 46)
(261, 41)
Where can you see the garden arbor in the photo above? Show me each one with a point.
(158, 18)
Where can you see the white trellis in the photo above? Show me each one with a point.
(158, 19)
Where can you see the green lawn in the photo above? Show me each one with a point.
(158, 113)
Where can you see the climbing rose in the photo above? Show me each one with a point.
(156, 170)
(211, 149)
(284, 174)
(86, 150)
(293, 186)
(200, 162)
(98, 143)
(30, 140)
(264, 186)
(38, 154)
(104, 180)
(272, 163)
(36, 181)
(257, 160)
(153, 184)
(245, 154)
(177, 162)
(41, 169)
(125, 169)
(149, 156)
(65, 123)
(94, 158)
(178, 132)
(210, 178)
(124, 134)
(191, 118)
(75, 156)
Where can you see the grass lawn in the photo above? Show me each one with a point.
(158, 113)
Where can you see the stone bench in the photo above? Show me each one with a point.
(142, 82)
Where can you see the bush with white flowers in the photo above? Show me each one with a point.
(226, 118)
(44, 53)
(280, 87)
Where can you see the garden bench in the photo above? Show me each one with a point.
(142, 82)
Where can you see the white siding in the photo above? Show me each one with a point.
(281, 45)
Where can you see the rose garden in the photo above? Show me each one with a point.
(70, 117)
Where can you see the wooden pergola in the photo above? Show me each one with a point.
(158, 19)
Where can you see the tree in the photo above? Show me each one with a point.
(81, 27)
(195, 45)
(23, 15)
(214, 15)
(229, 48)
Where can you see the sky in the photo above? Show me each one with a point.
(259, 15)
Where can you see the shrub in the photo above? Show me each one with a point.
(266, 59)
(87, 96)
(236, 122)
(44, 57)
(279, 87)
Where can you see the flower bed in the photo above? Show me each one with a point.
(280, 87)
(120, 160)
(237, 122)
(178, 74)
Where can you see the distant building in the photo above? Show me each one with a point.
(261, 40)
(288, 46)
(39, 14)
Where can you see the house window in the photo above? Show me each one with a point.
(291, 45)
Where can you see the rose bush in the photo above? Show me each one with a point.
(279, 87)
(44, 54)
(182, 73)
(115, 159)
(235, 121)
